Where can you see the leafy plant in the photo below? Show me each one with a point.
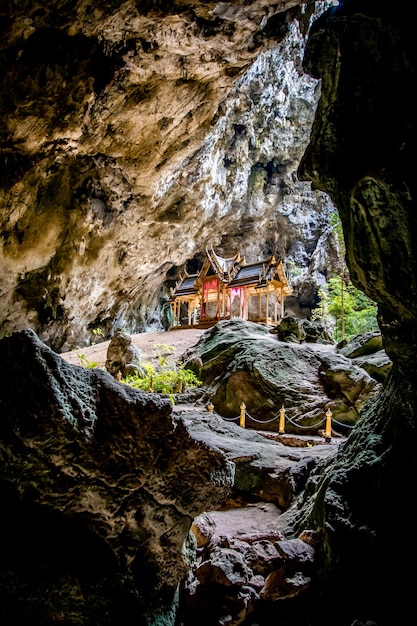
(160, 350)
(166, 381)
(97, 332)
(359, 312)
(292, 269)
(84, 362)
(343, 309)
(165, 376)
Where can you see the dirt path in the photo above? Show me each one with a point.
(180, 340)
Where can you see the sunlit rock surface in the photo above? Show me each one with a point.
(242, 362)
(135, 134)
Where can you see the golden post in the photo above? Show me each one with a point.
(210, 408)
(242, 414)
(328, 432)
(281, 429)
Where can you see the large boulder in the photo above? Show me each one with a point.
(298, 330)
(96, 493)
(244, 363)
(361, 345)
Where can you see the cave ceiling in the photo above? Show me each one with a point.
(133, 135)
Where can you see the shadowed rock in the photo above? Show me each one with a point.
(100, 483)
(367, 351)
(362, 152)
(299, 330)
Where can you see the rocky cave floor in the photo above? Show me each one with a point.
(237, 544)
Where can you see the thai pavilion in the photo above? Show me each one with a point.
(227, 288)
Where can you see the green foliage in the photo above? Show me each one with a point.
(292, 270)
(84, 362)
(163, 380)
(336, 225)
(343, 309)
(97, 332)
(166, 376)
(360, 313)
(160, 351)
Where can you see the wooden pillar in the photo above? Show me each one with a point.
(202, 312)
(282, 303)
(275, 305)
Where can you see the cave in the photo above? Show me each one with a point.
(127, 148)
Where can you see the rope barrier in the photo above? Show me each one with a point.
(343, 425)
(316, 425)
(262, 421)
(245, 414)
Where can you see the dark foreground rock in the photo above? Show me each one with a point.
(99, 486)
(362, 153)
(245, 567)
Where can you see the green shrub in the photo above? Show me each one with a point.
(167, 377)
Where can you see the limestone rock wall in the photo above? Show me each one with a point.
(133, 134)
(362, 153)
